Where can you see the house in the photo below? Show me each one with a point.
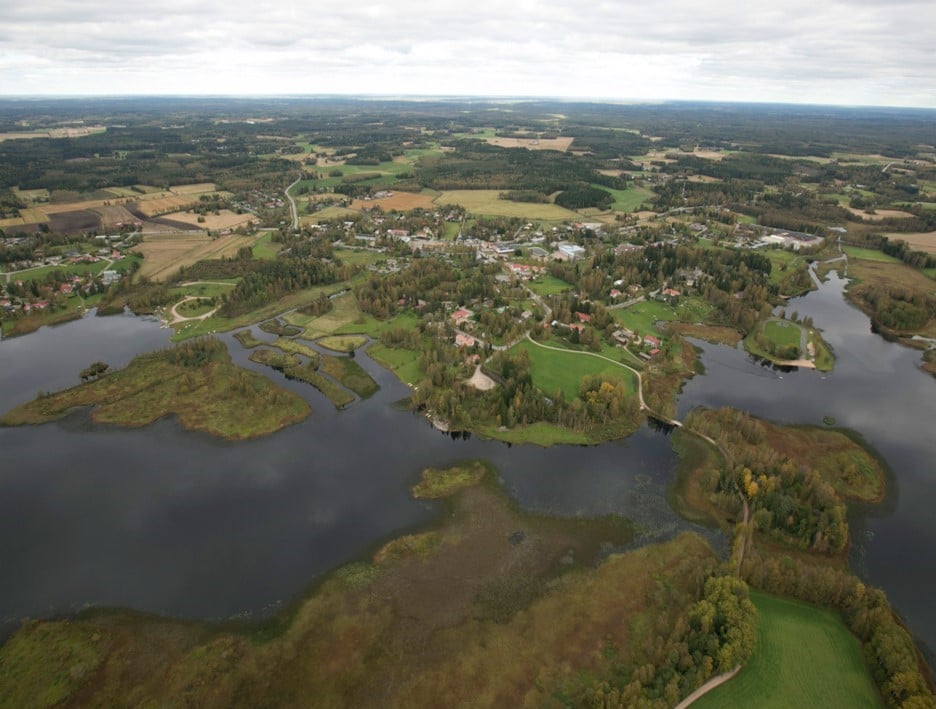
(615, 293)
(671, 292)
(654, 352)
(583, 317)
(622, 336)
(651, 341)
(461, 315)
(462, 340)
(577, 327)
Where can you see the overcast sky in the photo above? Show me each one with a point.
(869, 52)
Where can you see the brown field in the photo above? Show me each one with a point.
(885, 274)
(13, 221)
(702, 178)
(112, 216)
(612, 173)
(165, 253)
(226, 219)
(560, 144)
(194, 189)
(921, 241)
(74, 220)
(879, 214)
(400, 201)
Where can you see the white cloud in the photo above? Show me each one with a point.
(849, 51)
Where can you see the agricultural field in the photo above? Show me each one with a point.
(563, 371)
(562, 144)
(164, 254)
(804, 657)
(487, 203)
(225, 219)
(925, 241)
(399, 201)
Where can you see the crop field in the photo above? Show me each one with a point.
(165, 205)
(560, 144)
(805, 656)
(163, 254)
(552, 370)
(486, 202)
(879, 214)
(225, 219)
(400, 201)
(921, 241)
(194, 189)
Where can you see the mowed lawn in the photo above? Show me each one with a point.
(548, 285)
(805, 657)
(783, 333)
(552, 370)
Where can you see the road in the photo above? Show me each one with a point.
(292, 205)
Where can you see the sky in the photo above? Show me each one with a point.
(847, 52)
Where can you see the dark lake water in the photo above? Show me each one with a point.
(184, 524)
(180, 523)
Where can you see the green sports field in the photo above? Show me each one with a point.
(805, 657)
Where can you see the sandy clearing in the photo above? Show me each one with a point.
(481, 381)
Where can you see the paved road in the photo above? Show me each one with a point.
(292, 205)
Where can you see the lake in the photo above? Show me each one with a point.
(183, 524)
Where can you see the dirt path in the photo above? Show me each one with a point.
(708, 687)
(177, 318)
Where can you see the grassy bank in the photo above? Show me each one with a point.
(197, 383)
(805, 656)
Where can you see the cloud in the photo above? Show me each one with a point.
(852, 51)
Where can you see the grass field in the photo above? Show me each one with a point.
(164, 254)
(350, 374)
(366, 324)
(783, 334)
(643, 317)
(552, 371)
(403, 363)
(344, 311)
(868, 254)
(805, 657)
(216, 396)
(342, 343)
(548, 285)
(486, 202)
(197, 328)
(628, 200)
